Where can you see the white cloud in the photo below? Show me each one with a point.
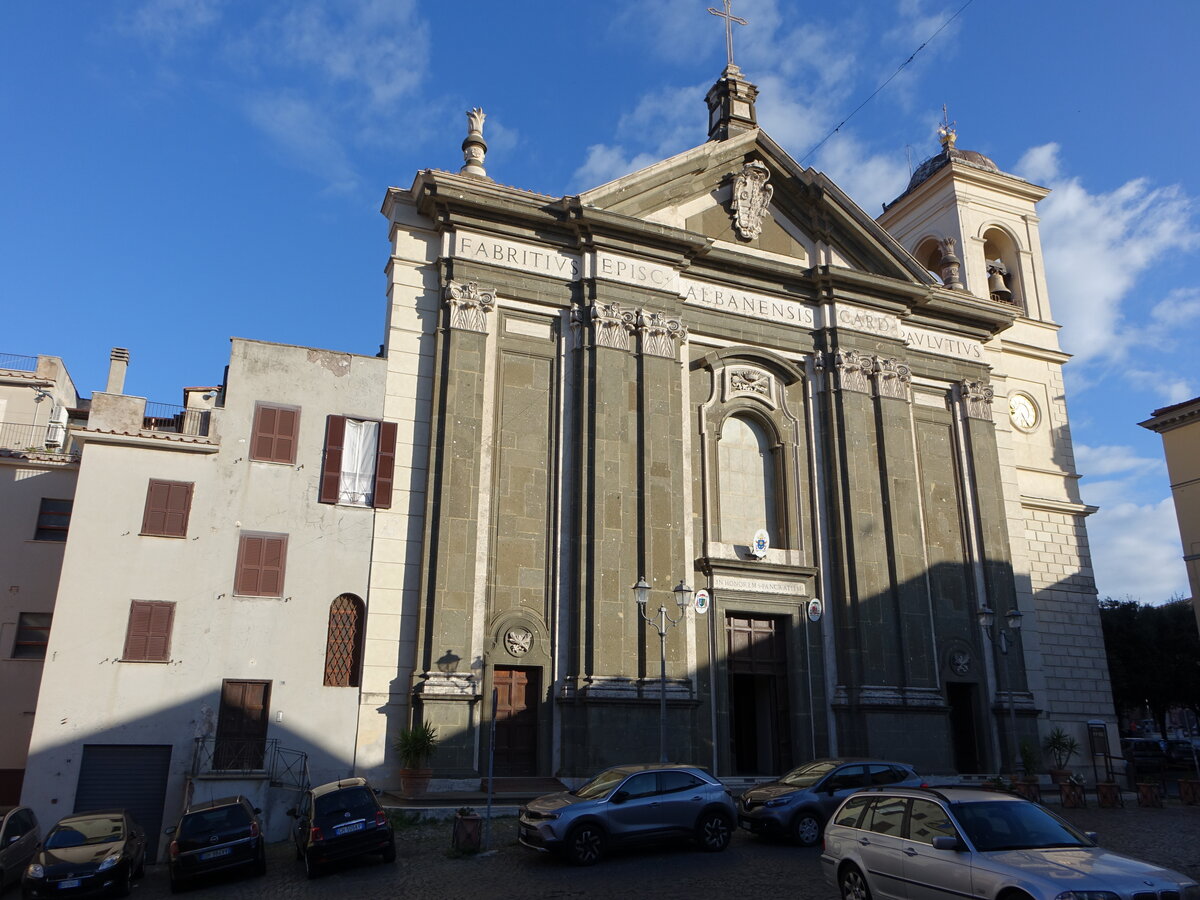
(305, 136)
(1136, 552)
(870, 180)
(168, 23)
(605, 163)
(1111, 460)
(1098, 245)
(1180, 308)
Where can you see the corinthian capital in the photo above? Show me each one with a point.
(613, 326)
(469, 306)
(977, 399)
(661, 334)
(892, 378)
(853, 370)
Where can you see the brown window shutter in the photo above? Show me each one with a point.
(274, 435)
(148, 637)
(158, 643)
(331, 469)
(385, 465)
(285, 435)
(155, 515)
(179, 505)
(138, 632)
(343, 645)
(273, 558)
(249, 565)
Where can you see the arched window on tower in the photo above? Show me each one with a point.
(1003, 268)
(343, 647)
(748, 492)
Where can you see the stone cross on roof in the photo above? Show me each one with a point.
(729, 18)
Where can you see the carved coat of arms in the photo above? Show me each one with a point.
(751, 197)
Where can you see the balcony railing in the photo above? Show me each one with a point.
(251, 757)
(53, 439)
(15, 363)
(176, 419)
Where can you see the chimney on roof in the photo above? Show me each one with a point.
(118, 362)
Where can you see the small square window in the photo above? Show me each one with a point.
(54, 518)
(33, 635)
(168, 504)
(148, 635)
(274, 435)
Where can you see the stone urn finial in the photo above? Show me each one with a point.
(474, 147)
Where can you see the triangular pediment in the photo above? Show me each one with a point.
(808, 221)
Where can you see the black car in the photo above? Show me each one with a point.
(18, 842)
(87, 855)
(214, 836)
(339, 820)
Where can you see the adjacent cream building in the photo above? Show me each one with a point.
(1179, 425)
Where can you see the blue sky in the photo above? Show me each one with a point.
(177, 172)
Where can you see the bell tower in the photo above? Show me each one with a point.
(991, 217)
(976, 228)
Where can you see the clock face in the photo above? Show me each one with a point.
(1023, 411)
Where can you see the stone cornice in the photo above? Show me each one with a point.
(1170, 417)
(1062, 507)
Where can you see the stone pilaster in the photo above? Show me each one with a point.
(446, 699)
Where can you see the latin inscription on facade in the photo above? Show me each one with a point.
(943, 344)
(515, 255)
(747, 303)
(627, 270)
(867, 321)
(757, 586)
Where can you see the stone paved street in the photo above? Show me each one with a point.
(749, 868)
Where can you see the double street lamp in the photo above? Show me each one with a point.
(1001, 639)
(661, 622)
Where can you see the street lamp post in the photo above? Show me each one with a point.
(661, 622)
(1001, 639)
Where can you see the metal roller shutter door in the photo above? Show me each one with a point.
(126, 776)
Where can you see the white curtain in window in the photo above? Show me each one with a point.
(357, 485)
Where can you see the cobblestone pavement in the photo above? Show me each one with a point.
(425, 868)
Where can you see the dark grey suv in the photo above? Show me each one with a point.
(214, 836)
(633, 804)
(800, 803)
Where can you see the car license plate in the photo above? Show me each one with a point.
(215, 854)
(348, 829)
(74, 882)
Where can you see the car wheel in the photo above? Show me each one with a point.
(389, 852)
(177, 885)
(806, 829)
(853, 884)
(260, 862)
(311, 869)
(140, 871)
(714, 831)
(585, 845)
(123, 886)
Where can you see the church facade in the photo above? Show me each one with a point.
(848, 436)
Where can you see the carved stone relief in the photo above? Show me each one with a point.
(517, 641)
(892, 378)
(854, 370)
(744, 381)
(751, 197)
(660, 334)
(977, 398)
(469, 306)
(613, 326)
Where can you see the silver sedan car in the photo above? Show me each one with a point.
(634, 804)
(927, 843)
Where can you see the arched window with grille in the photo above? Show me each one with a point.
(343, 648)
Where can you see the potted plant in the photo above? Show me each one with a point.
(415, 745)
(1061, 747)
(1030, 761)
(467, 834)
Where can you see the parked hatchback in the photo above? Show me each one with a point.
(92, 854)
(18, 842)
(340, 820)
(633, 804)
(214, 836)
(800, 803)
(964, 842)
